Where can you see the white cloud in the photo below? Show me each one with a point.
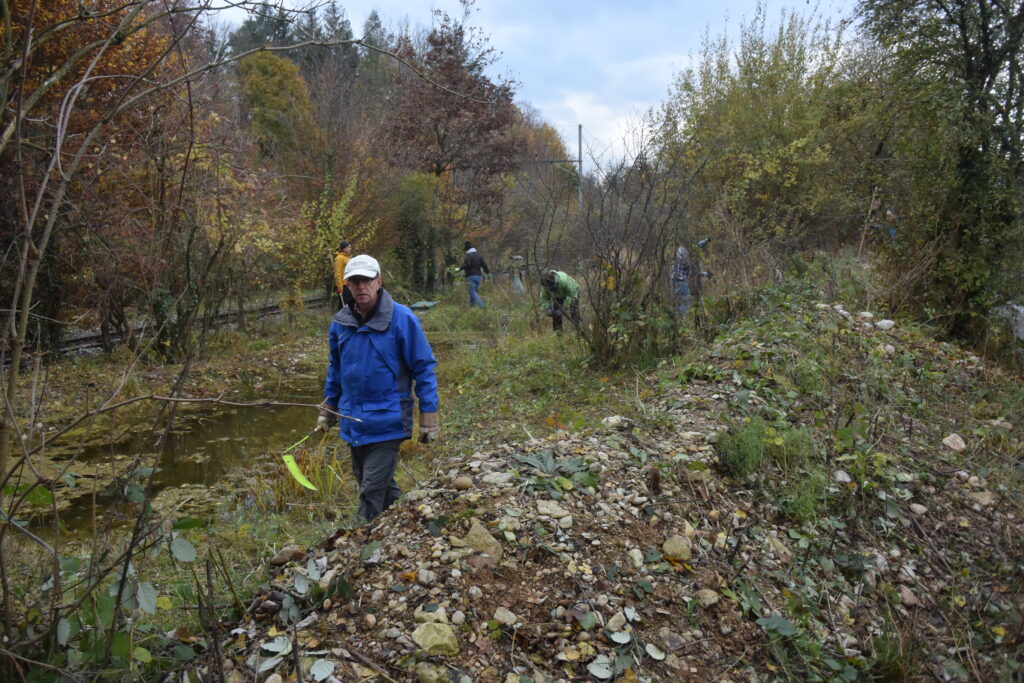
(610, 129)
(602, 63)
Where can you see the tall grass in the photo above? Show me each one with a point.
(273, 489)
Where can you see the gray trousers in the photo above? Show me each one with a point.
(373, 466)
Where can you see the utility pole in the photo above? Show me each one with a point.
(578, 162)
(579, 158)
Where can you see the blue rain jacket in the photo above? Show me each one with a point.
(372, 368)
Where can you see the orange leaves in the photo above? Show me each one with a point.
(89, 60)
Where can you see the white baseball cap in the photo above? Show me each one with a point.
(362, 266)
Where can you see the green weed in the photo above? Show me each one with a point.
(805, 497)
(741, 450)
(790, 447)
(896, 655)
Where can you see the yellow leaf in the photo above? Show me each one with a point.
(164, 602)
(999, 631)
(959, 601)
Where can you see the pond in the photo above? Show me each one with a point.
(211, 456)
(204, 460)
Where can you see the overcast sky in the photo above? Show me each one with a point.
(600, 63)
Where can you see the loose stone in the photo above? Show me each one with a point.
(707, 597)
(505, 616)
(436, 639)
(677, 548)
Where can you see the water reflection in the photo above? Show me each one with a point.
(197, 455)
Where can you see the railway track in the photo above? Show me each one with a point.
(91, 341)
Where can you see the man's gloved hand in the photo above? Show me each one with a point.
(428, 427)
(328, 418)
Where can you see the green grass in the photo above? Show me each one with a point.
(741, 450)
(805, 498)
(505, 376)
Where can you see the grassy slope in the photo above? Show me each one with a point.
(836, 431)
(805, 393)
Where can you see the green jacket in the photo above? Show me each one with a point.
(566, 289)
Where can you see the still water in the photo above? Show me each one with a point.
(205, 461)
(202, 459)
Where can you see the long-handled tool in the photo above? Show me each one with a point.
(293, 467)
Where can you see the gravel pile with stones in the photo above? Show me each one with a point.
(615, 554)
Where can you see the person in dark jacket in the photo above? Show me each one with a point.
(377, 351)
(474, 266)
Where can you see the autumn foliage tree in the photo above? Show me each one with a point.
(460, 126)
(277, 99)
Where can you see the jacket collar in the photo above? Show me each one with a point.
(380, 320)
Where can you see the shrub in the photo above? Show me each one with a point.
(742, 449)
(803, 498)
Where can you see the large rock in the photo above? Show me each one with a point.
(504, 616)
(479, 538)
(983, 498)
(499, 478)
(707, 597)
(436, 639)
(955, 443)
(670, 640)
(677, 548)
(551, 508)
(617, 622)
(287, 554)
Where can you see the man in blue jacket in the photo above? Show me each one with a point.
(377, 351)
